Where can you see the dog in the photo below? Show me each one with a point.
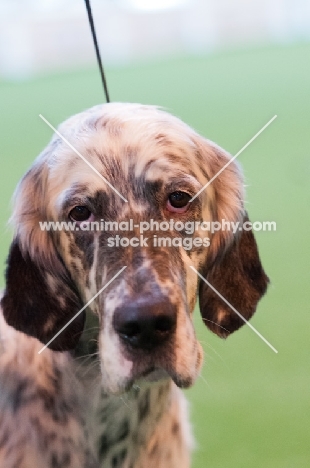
(106, 390)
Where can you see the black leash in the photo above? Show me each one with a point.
(93, 31)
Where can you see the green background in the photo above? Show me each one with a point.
(250, 408)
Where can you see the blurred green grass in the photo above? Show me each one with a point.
(250, 408)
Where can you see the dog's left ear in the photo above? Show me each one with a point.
(239, 277)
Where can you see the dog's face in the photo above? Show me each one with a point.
(158, 164)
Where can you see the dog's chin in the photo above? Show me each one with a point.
(158, 374)
(149, 377)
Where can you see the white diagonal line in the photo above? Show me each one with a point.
(235, 310)
(232, 159)
(83, 308)
(82, 157)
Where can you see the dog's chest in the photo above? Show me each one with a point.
(126, 424)
(122, 429)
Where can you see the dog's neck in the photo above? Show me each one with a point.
(134, 421)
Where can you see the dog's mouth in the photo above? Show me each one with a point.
(156, 375)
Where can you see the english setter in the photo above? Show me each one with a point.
(106, 391)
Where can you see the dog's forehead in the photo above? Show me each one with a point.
(129, 134)
(124, 142)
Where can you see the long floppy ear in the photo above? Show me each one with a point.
(40, 297)
(40, 304)
(239, 277)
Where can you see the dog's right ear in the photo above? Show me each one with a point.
(40, 297)
(40, 304)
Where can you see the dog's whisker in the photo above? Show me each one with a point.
(126, 403)
(216, 324)
(83, 363)
(90, 367)
(77, 358)
(208, 345)
(206, 382)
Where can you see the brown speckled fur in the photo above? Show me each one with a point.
(90, 399)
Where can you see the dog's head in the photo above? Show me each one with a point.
(162, 234)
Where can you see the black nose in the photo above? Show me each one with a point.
(145, 324)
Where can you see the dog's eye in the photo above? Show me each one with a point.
(178, 202)
(80, 213)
